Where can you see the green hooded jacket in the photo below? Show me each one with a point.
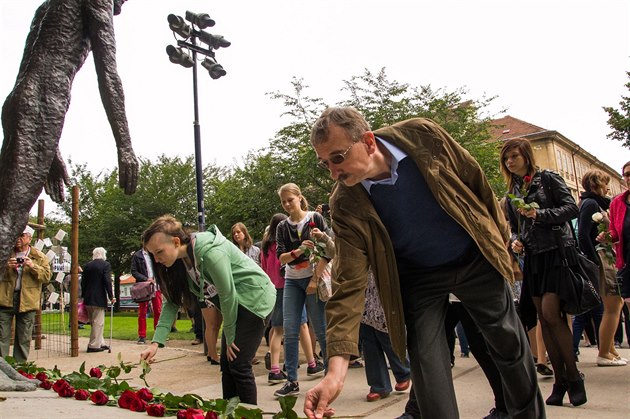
(237, 278)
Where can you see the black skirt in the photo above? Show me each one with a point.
(544, 271)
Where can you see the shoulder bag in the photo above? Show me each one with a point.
(142, 291)
(324, 283)
(578, 290)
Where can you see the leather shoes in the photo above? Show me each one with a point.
(95, 349)
(372, 397)
(402, 386)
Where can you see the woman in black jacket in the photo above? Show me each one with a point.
(96, 289)
(538, 202)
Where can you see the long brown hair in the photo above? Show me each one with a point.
(248, 238)
(525, 149)
(173, 280)
(270, 235)
(294, 189)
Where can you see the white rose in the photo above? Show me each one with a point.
(598, 217)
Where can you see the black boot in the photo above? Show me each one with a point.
(555, 399)
(577, 392)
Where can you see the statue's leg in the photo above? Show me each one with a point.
(32, 126)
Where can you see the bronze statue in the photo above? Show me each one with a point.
(62, 34)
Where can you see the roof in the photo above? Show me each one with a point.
(510, 127)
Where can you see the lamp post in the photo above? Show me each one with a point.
(179, 55)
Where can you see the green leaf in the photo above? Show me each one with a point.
(82, 368)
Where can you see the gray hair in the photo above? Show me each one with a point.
(347, 117)
(99, 253)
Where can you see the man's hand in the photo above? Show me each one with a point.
(317, 400)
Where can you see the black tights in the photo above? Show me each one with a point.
(557, 337)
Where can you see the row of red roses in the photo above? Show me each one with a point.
(136, 401)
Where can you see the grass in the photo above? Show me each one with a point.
(125, 326)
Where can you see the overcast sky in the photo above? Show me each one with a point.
(551, 63)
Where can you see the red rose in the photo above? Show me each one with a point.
(96, 372)
(312, 224)
(26, 374)
(145, 394)
(190, 413)
(212, 415)
(138, 405)
(46, 385)
(527, 178)
(66, 391)
(59, 384)
(156, 410)
(99, 398)
(126, 398)
(82, 394)
(41, 376)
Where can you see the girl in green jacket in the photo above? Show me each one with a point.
(210, 268)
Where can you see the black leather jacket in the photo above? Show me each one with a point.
(557, 208)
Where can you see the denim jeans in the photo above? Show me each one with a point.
(582, 322)
(377, 345)
(293, 303)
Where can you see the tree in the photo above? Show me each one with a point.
(619, 120)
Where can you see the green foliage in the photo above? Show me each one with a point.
(619, 119)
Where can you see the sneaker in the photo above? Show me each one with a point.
(277, 378)
(357, 363)
(318, 369)
(290, 388)
(268, 361)
(544, 370)
(141, 341)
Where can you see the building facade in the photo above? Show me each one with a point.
(556, 152)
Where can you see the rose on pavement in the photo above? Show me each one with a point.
(156, 410)
(82, 394)
(96, 372)
(126, 398)
(145, 394)
(138, 405)
(99, 398)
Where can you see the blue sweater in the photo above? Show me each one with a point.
(423, 235)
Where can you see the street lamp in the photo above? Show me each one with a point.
(180, 55)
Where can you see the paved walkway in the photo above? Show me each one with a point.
(182, 368)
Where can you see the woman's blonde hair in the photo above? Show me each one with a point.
(294, 189)
(594, 179)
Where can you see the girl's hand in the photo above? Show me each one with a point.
(309, 243)
(232, 352)
(517, 247)
(530, 213)
(312, 286)
(317, 233)
(149, 353)
(601, 237)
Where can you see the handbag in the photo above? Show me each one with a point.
(142, 291)
(609, 284)
(578, 293)
(324, 283)
(82, 313)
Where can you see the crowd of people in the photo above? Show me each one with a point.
(404, 276)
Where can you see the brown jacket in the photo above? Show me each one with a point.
(32, 281)
(361, 241)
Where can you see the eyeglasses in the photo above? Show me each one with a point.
(335, 158)
(626, 174)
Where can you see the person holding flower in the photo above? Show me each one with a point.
(414, 206)
(593, 219)
(539, 200)
(208, 267)
(294, 245)
(620, 233)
